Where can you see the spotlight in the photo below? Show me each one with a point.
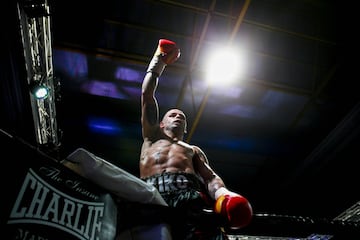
(39, 91)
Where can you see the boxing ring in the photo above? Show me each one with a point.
(47, 199)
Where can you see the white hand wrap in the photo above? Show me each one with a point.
(156, 65)
(221, 191)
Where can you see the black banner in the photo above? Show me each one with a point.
(45, 200)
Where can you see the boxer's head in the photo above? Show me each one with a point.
(174, 120)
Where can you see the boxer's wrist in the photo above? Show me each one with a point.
(222, 191)
(156, 65)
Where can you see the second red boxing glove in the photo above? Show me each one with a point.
(235, 208)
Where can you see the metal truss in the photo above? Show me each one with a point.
(35, 27)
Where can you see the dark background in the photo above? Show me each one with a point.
(285, 135)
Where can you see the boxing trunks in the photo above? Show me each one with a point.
(177, 189)
(190, 207)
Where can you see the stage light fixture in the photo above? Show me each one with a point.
(40, 91)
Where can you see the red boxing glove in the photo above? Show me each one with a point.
(168, 50)
(166, 53)
(235, 208)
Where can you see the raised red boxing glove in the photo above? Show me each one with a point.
(168, 50)
(235, 208)
(166, 53)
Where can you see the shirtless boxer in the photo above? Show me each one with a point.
(181, 172)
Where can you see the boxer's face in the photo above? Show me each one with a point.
(174, 119)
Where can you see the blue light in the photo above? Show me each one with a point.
(104, 126)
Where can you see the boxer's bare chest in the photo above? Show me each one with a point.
(167, 151)
(166, 155)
